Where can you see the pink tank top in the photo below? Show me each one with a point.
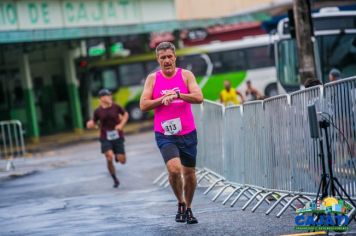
(176, 118)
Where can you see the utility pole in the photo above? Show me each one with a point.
(304, 34)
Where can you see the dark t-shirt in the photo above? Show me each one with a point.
(108, 118)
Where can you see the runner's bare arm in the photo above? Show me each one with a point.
(195, 95)
(123, 120)
(146, 101)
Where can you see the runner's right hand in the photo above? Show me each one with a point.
(90, 124)
(168, 99)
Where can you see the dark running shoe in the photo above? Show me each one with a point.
(116, 183)
(180, 217)
(189, 217)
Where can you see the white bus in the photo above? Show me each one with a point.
(251, 59)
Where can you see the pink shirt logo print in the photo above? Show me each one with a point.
(164, 92)
(176, 89)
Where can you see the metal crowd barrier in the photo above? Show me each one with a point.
(11, 142)
(340, 108)
(263, 151)
(213, 137)
(306, 164)
(234, 145)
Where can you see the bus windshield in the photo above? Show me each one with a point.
(337, 51)
(334, 51)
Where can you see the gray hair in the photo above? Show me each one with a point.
(335, 73)
(165, 46)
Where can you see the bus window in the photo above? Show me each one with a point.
(259, 57)
(194, 63)
(337, 51)
(233, 60)
(109, 79)
(105, 78)
(132, 74)
(217, 65)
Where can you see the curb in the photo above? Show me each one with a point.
(5, 176)
(75, 139)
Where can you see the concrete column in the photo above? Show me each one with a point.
(32, 121)
(72, 86)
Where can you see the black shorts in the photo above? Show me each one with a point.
(117, 146)
(182, 146)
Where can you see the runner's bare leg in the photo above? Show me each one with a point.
(190, 183)
(174, 168)
(109, 159)
(121, 158)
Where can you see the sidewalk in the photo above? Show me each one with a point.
(50, 142)
(45, 154)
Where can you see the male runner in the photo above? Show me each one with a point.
(112, 119)
(170, 91)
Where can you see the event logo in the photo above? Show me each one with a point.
(326, 214)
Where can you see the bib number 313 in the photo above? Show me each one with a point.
(172, 127)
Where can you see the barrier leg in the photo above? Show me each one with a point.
(164, 181)
(198, 172)
(287, 205)
(160, 177)
(231, 194)
(166, 185)
(276, 203)
(238, 196)
(251, 199)
(212, 186)
(220, 192)
(350, 215)
(202, 176)
(250, 192)
(261, 200)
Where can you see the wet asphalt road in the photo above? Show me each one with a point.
(72, 194)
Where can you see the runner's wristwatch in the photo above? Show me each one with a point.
(178, 94)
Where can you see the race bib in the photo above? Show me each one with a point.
(172, 127)
(112, 135)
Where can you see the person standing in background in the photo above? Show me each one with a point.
(229, 96)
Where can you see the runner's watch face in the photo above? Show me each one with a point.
(167, 62)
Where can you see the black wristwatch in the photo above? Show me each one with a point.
(178, 94)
